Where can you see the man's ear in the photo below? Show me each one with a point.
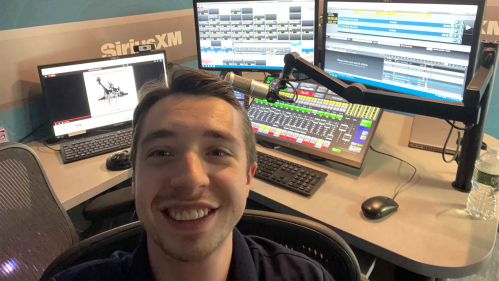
(249, 177)
(253, 169)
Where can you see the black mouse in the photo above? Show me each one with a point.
(118, 161)
(379, 207)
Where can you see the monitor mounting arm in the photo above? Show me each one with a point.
(468, 112)
(471, 112)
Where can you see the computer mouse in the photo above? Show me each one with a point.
(118, 161)
(379, 207)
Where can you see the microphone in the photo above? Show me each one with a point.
(247, 86)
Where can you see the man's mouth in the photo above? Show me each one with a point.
(188, 215)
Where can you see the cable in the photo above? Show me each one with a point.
(458, 128)
(133, 215)
(447, 140)
(295, 94)
(412, 177)
(33, 131)
(265, 77)
(44, 143)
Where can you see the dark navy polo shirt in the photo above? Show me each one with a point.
(253, 258)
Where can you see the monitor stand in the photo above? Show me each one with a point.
(52, 141)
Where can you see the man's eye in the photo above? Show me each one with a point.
(160, 153)
(218, 152)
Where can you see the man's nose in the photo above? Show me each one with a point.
(190, 173)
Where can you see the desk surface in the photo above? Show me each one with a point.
(76, 182)
(430, 234)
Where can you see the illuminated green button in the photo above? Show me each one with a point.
(336, 150)
(366, 123)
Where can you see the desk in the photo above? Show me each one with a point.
(431, 234)
(76, 182)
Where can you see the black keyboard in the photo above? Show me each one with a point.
(288, 175)
(93, 146)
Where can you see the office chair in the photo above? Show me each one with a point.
(108, 207)
(34, 227)
(310, 238)
(307, 237)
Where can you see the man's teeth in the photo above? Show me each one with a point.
(188, 215)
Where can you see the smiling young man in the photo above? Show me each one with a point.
(194, 158)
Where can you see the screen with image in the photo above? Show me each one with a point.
(254, 35)
(92, 94)
(413, 48)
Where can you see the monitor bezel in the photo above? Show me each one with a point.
(198, 45)
(474, 44)
(121, 124)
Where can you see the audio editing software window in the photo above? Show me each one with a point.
(418, 49)
(320, 120)
(255, 34)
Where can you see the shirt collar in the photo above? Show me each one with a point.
(242, 266)
(139, 267)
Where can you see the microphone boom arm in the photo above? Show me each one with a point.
(467, 113)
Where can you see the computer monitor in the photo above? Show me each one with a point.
(319, 123)
(92, 94)
(421, 48)
(254, 35)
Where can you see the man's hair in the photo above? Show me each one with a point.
(193, 82)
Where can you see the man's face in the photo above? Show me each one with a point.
(191, 159)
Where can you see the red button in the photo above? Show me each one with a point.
(305, 93)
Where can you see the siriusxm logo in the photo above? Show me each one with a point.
(162, 41)
(492, 27)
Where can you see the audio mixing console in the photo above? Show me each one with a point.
(319, 123)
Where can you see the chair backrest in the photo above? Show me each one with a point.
(100, 246)
(34, 227)
(305, 236)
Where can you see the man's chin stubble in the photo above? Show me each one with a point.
(188, 254)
